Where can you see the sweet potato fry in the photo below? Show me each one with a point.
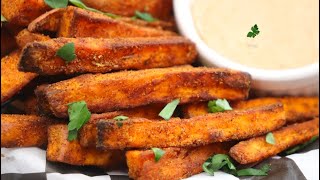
(200, 130)
(7, 42)
(22, 12)
(176, 163)
(47, 22)
(24, 37)
(296, 108)
(88, 133)
(257, 149)
(12, 80)
(105, 55)
(161, 25)
(77, 22)
(24, 130)
(128, 89)
(161, 9)
(61, 150)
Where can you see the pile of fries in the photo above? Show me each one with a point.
(133, 68)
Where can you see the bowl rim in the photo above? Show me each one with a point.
(185, 25)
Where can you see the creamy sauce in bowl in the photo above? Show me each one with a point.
(288, 38)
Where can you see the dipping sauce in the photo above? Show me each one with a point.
(288, 38)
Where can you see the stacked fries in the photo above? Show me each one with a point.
(155, 68)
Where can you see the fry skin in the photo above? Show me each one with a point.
(24, 130)
(161, 9)
(257, 149)
(105, 55)
(128, 89)
(200, 130)
(78, 22)
(24, 37)
(12, 80)
(297, 109)
(61, 150)
(22, 12)
(176, 163)
(88, 133)
(161, 25)
(7, 42)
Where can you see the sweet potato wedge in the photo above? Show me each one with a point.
(77, 22)
(7, 42)
(257, 149)
(161, 9)
(24, 37)
(61, 150)
(12, 80)
(24, 130)
(128, 89)
(47, 22)
(105, 55)
(176, 163)
(161, 25)
(22, 12)
(88, 133)
(296, 108)
(200, 130)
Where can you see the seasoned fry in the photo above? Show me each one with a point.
(176, 163)
(24, 130)
(61, 150)
(77, 22)
(257, 149)
(200, 130)
(161, 25)
(12, 80)
(22, 12)
(161, 9)
(128, 89)
(88, 133)
(104, 55)
(25, 36)
(49, 21)
(296, 108)
(7, 42)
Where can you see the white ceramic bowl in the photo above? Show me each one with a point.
(298, 81)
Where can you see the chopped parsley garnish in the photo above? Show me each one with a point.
(119, 120)
(254, 31)
(223, 162)
(79, 114)
(81, 5)
(301, 146)
(56, 3)
(158, 153)
(270, 138)
(218, 105)
(168, 110)
(3, 19)
(144, 16)
(67, 52)
(64, 3)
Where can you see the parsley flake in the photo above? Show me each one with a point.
(218, 105)
(3, 19)
(119, 119)
(67, 52)
(223, 162)
(144, 16)
(254, 31)
(81, 5)
(158, 153)
(56, 3)
(168, 110)
(79, 114)
(270, 138)
(301, 146)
